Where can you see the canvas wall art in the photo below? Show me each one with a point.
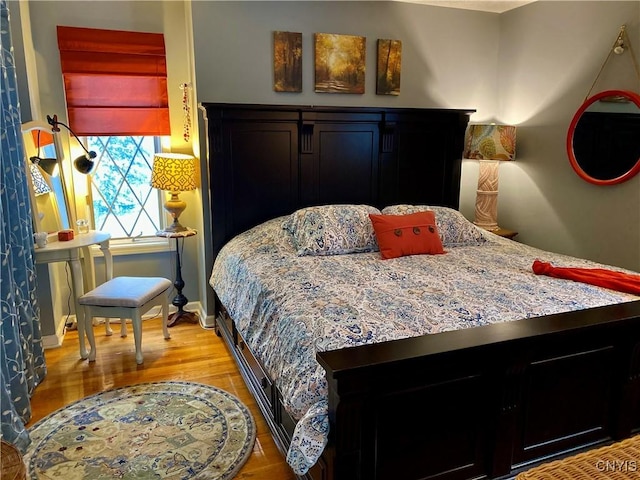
(287, 61)
(339, 63)
(389, 66)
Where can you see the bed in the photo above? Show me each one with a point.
(496, 390)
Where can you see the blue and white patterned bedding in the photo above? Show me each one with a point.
(288, 307)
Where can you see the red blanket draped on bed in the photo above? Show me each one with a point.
(620, 281)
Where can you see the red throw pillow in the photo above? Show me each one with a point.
(412, 234)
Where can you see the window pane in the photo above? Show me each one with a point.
(124, 204)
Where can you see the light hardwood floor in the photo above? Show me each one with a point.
(192, 354)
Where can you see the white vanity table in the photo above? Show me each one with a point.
(69, 251)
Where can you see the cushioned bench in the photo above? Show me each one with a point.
(125, 297)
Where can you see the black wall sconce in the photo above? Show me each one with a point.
(84, 163)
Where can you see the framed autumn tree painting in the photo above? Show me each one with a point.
(389, 66)
(287, 61)
(339, 63)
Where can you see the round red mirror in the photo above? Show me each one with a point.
(603, 141)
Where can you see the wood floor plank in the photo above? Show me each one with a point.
(192, 354)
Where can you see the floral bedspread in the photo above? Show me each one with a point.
(288, 308)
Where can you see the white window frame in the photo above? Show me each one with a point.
(131, 245)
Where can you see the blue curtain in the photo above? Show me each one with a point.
(22, 356)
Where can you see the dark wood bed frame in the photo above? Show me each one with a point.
(485, 402)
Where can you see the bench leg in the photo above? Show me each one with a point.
(165, 317)
(123, 327)
(88, 322)
(136, 320)
(81, 336)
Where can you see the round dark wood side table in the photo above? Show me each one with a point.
(179, 300)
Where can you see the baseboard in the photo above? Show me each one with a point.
(206, 321)
(55, 341)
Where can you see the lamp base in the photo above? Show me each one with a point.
(176, 226)
(486, 214)
(175, 207)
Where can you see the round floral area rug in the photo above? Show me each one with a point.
(168, 430)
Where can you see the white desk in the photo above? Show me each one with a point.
(69, 251)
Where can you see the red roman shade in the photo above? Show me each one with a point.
(115, 81)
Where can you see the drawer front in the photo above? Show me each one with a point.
(225, 324)
(287, 424)
(261, 380)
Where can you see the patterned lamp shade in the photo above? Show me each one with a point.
(40, 185)
(173, 172)
(490, 142)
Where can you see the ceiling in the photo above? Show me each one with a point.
(495, 6)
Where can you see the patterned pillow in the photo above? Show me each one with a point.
(404, 209)
(455, 230)
(332, 229)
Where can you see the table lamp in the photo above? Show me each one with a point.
(490, 144)
(175, 173)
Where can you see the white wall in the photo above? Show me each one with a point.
(550, 55)
(449, 57)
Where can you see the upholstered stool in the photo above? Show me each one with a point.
(125, 297)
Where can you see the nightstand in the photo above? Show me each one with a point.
(503, 232)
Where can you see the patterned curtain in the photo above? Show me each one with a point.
(22, 357)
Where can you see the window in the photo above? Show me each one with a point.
(122, 200)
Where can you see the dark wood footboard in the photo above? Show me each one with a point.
(484, 402)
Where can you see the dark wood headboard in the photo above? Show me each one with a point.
(269, 160)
